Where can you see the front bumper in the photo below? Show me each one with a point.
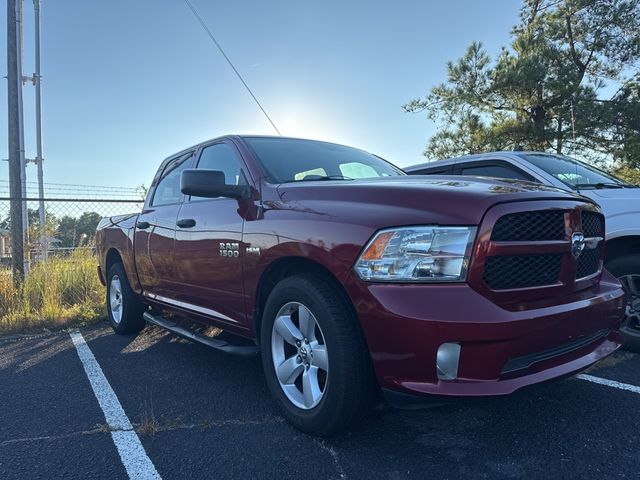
(501, 350)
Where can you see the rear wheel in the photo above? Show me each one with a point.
(627, 270)
(315, 359)
(123, 306)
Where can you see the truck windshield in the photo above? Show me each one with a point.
(573, 173)
(294, 160)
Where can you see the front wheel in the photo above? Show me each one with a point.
(627, 270)
(315, 359)
(123, 306)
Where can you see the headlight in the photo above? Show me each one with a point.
(417, 254)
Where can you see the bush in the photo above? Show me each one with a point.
(60, 292)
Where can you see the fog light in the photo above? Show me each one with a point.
(447, 361)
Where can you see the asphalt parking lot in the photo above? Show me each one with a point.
(199, 413)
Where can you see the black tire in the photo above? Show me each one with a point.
(621, 267)
(130, 319)
(349, 382)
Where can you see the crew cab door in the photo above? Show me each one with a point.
(208, 251)
(155, 229)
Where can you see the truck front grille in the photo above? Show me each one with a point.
(588, 263)
(592, 224)
(532, 226)
(521, 271)
(535, 249)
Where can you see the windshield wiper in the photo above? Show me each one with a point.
(312, 178)
(599, 186)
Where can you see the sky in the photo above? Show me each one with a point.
(127, 83)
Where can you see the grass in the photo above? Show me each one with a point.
(148, 425)
(59, 293)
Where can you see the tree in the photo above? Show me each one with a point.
(51, 226)
(628, 174)
(569, 82)
(74, 232)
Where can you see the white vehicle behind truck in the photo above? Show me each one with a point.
(619, 201)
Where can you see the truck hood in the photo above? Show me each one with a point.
(412, 199)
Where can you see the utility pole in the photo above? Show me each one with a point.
(23, 160)
(44, 247)
(14, 79)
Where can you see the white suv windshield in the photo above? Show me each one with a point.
(573, 173)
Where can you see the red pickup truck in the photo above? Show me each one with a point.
(349, 276)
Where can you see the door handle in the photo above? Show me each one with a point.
(142, 225)
(186, 223)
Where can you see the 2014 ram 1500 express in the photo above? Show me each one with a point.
(347, 275)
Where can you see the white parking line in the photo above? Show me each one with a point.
(132, 453)
(609, 383)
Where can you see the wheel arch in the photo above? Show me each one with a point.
(112, 257)
(285, 267)
(621, 246)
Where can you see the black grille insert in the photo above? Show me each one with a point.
(592, 224)
(529, 226)
(526, 361)
(522, 271)
(588, 263)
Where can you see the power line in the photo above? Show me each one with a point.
(213, 39)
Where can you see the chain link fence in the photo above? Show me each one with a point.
(70, 224)
(60, 286)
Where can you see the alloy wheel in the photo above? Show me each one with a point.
(115, 298)
(299, 355)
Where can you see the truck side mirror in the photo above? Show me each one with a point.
(210, 184)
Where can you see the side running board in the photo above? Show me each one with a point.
(218, 344)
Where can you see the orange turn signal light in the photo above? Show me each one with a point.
(376, 248)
